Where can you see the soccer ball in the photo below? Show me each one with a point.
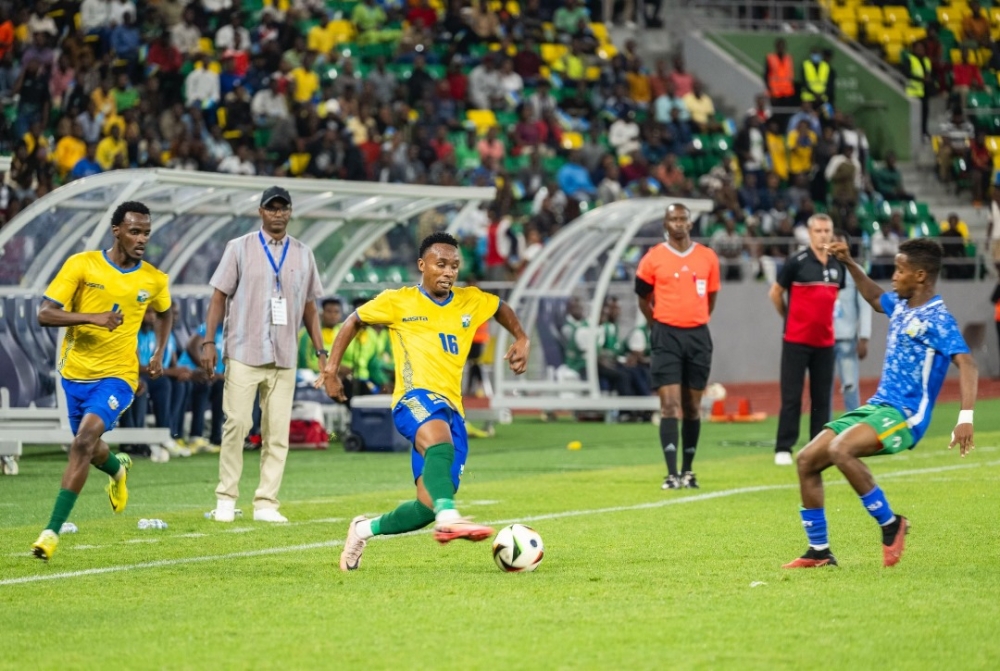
(518, 548)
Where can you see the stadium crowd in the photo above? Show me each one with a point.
(535, 100)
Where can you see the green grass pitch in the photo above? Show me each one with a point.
(633, 577)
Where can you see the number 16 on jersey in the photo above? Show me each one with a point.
(449, 343)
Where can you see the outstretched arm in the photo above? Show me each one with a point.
(517, 354)
(968, 380)
(328, 375)
(867, 287)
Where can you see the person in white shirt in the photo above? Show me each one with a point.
(610, 189)
(225, 37)
(512, 83)
(239, 163)
(993, 230)
(268, 105)
(185, 35)
(95, 15)
(201, 87)
(484, 84)
(118, 9)
(623, 135)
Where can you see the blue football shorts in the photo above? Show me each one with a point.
(420, 406)
(107, 398)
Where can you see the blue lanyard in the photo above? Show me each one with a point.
(276, 266)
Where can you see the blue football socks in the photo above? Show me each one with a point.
(814, 522)
(876, 505)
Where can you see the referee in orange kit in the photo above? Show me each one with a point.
(677, 282)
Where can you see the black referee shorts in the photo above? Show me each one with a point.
(681, 356)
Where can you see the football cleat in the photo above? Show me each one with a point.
(813, 559)
(350, 558)
(892, 553)
(671, 482)
(46, 544)
(445, 532)
(117, 489)
(689, 481)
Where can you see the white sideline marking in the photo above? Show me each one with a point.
(170, 562)
(195, 535)
(143, 540)
(549, 516)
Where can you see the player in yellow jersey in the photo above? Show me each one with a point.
(101, 298)
(431, 328)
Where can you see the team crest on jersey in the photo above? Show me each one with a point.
(112, 402)
(466, 321)
(915, 328)
(143, 296)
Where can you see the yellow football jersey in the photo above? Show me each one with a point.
(430, 340)
(90, 282)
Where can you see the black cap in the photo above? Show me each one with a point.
(274, 192)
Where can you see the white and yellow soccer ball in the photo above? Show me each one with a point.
(518, 548)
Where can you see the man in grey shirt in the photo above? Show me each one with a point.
(852, 327)
(266, 285)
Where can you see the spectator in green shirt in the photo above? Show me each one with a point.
(329, 319)
(567, 18)
(888, 181)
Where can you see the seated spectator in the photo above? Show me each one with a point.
(844, 174)
(955, 223)
(69, 151)
(801, 143)
(976, 27)
(528, 62)
(701, 108)
(511, 83)
(624, 134)
(728, 243)
(638, 84)
(671, 177)
(240, 163)
(885, 245)
(87, 165)
(956, 135)
(665, 104)
(186, 34)
(568, 17)
(369, 20)
(678, 134)
(980, 168)
(808, 113)
(542, 100)
(635, 170)
(530, 134)
(112, 152)
(965, 77)
(750, 146)
(683, 81)
(610, 188)
(888, 181)
(491, 150)
(574, 180)
(485, 87)
(777, 149)
(422, 14)
(572, 66)
(956, 264)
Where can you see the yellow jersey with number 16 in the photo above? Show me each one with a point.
(430, 340)
(91, 283)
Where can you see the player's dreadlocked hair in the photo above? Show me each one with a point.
(440, 238)
(924, 254)
(128, 206)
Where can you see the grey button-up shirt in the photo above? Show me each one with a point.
(247, 278)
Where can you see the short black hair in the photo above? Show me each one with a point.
(923, 253)
(128, 206)
(329, 301)
(440, 238)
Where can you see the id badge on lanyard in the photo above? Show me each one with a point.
(279, 305)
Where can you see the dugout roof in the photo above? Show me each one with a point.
(196, 213)
(592, 258)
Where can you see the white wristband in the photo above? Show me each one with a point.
(964, 417)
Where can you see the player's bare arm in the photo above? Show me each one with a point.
(328, 377)
(968, 382)
(777, 296)
(711, 301)
(646, 307)
(867, 287)
(164, 324)
(52, 314)
(216, 309)
(517, 353)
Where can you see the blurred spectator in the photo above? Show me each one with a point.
(885, 245)
(888, 181)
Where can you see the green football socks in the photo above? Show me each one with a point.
(63, 507)
(409, 516)
(438, 460)
(111, 466)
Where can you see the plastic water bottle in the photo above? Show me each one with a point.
(68, 528)
(152, 524)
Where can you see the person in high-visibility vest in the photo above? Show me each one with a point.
(815, 76)
(918, 81)
(779, 76)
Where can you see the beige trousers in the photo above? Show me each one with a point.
(277, 388)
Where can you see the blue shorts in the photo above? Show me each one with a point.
(107, 398)
(420, 406)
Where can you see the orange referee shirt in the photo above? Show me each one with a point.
(681, 283)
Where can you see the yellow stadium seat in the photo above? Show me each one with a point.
(874, 32)
(572, 141)
(868, 15)
(215, 67)
(840, 15)
(849, 29)
(593, 73)
(896, 15)
(551, 53)
(544, 71)
(893, 51)
(912, 33)
(607, 51)
(600, 32)
(893, 34)
(984, 56)
(993, 144)
(955, 56)
(953, 14)
(206, 46)
(482, 119)
(994, 13)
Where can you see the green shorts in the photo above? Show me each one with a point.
(890, 424)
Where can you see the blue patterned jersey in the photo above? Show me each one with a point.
(919, 348)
